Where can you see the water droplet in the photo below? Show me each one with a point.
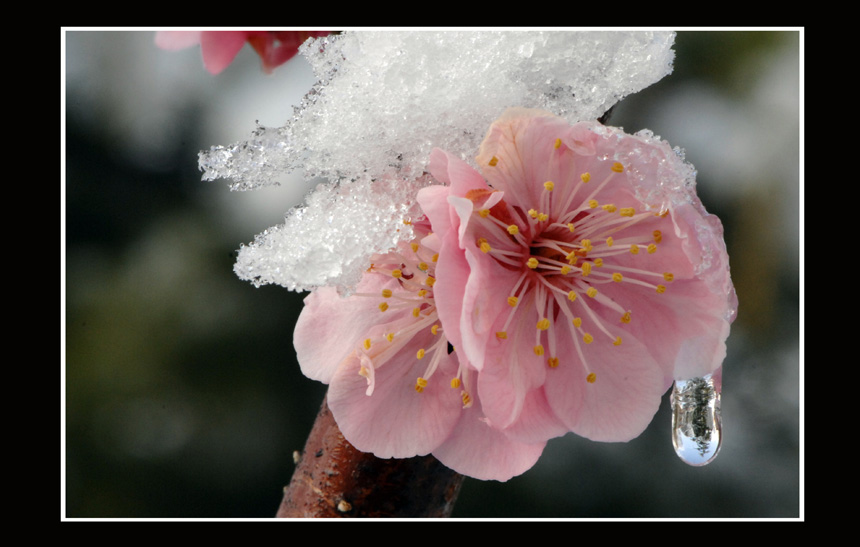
(696, 422)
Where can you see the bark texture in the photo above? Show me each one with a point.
(334, 480)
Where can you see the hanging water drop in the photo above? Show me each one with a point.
(696, 422)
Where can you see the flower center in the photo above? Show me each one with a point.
(569, 250)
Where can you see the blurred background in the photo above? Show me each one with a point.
(183, 397)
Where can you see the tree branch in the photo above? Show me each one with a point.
(335, 480)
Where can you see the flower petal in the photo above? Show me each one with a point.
(396, 421)
(219, 48)
(328, 316)
(476, 449)
(622, 400)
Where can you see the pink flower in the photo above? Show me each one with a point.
(395, 390)
(577, 276)
(219, 48)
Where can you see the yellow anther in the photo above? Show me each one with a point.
(389, 336)
(485, 247)
(588, 338)
(397, 274)
(617, 277)
(552, 362)
(626, 317)
(501, 335)
(422, 293)
(571, 258)
(467, 401)
(609, 241)
(571, 296)
(617, 341)
(383, 306)
(543, 324)
(570, 226)
(407, 222)
(367, 344)
(549, 185)
(386, 293)
(585, 177)
(416, 312)
(455, 383)
(598, 262)
(430, 281)
(591, 378)
(533, 213)
(651, 248)
(577, 322)
(634, 249)
(532, 263)
(420, 384)
(668, 276)
(557, 144)
(586, 244)
(586, 268)
(414, 247)
(512, 301)
(661, 289)
(484, 213)
(423, 266)
(434, 329)
(543, 217)
(493, 161)
(435, 258)
(592, 292)
(513, 229)
(658, 236)
(627, 211)
(420, 354)
(593, 203)
(663, 213)
(565, 270)
(609, 208)
(538, 350)
(617, 167)
(363, 372)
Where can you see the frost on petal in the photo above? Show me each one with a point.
(385, 100)
(326, 241)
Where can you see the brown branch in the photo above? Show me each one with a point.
(335, 480)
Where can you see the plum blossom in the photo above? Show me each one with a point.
(219, 48)
(574, 278)
(395, 389)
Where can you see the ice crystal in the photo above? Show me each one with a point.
(382, 101)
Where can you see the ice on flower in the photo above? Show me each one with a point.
(384, 100)
(576, 273)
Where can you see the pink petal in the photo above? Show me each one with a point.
(476, 449)
(620, 403)
(396, 421)
(342, 322)
(220, 48)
